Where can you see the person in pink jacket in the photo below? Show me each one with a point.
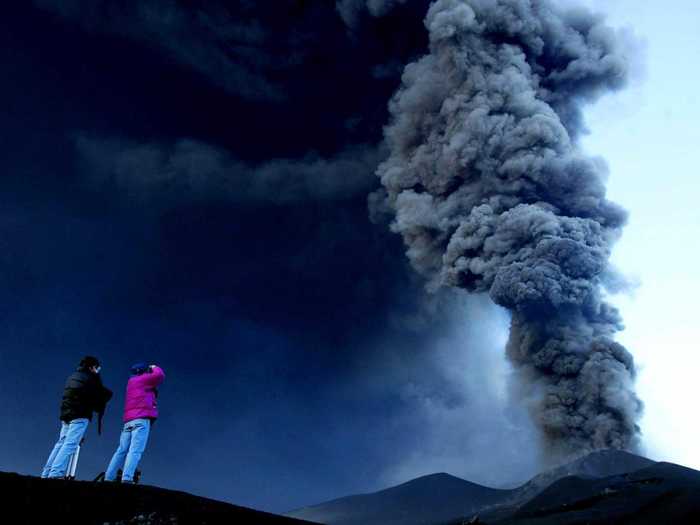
(140, 411)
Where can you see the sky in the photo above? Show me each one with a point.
(189, 187)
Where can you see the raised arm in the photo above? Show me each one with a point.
(153, 378)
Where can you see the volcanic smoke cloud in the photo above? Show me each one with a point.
(491, 193)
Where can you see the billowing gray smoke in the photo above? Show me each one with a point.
(491, 193)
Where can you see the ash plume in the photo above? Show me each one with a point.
(491, 193)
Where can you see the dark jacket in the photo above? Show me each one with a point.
(84, 394)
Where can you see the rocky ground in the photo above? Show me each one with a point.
(31, 500)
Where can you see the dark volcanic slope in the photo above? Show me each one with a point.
(31, 500)
(441, 498)
(429, 499)
(599, 464)
(661, 493)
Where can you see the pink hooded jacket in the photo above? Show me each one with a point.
(141, 396)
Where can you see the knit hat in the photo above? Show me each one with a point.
(89, 361)
(139, 368)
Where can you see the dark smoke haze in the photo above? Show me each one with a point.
(491, 193)
(188, 181)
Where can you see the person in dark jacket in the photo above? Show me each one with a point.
(83, 394)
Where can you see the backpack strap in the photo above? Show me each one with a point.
(106, 395)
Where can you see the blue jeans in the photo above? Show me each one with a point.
(132, 443)
(68, 440)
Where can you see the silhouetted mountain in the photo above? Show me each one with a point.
(31, 500)
(428, 499)
(599, 464)
(661, 493)
(441, 498)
